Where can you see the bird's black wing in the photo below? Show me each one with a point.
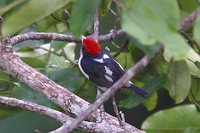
(97, 73)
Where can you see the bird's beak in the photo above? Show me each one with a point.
(82, 38)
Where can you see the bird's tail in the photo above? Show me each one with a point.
(138, 90)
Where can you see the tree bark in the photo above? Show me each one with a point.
(71, 103)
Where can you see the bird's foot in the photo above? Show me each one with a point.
(100, 114)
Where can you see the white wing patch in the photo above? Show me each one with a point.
(102, 88)
(99, 60)
(108, 78)
(119, 65)
(108, 71)
(105, 56)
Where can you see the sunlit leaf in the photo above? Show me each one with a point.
(194, 69)
(151, 103)
(69, 51)
(58, 61)
(175, 120)
(32, 11)
(157, 21)
(34, 62)
(134, 30)
(57, 45)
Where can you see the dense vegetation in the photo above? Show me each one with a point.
(172, 77)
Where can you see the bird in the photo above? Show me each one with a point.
(102, 68)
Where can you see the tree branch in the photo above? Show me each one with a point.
(189, 20)
(54, 114)
(96, 26)
(13, 65)
(61, 96)
(1, 24)
(60, 37)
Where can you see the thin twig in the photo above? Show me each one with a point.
(1, 24)
(56, 115)
(100, 112)
(59, 19)
(189, 20)
(121, 48)
(96, 26)
(60, 37)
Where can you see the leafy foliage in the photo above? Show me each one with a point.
(30, 13)
(85, 10)
(148, 23)
(171, 120)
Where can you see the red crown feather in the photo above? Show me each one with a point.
(91, 46)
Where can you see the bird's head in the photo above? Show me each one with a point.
(90, 46)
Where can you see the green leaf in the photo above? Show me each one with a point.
(69, 51)
(67, 77)
(7, 111)
(192, 60)
(82, 15)
(196, 30)
(151, 103)
(4, 77)
(152, 86)
(10, 6)
(125, 60)
(194, 69)
(195, 91)
(34, 62)
(181, 119)
(58, 45)
(134, 30)
(5, 83)
(58, 61)
(103, 7)
(188, 5)
(193, 56)
(180, 81)
(197, 63)
(28, 122)
(32, 11)
(157, 21)
(149, 50)
(24, 92)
